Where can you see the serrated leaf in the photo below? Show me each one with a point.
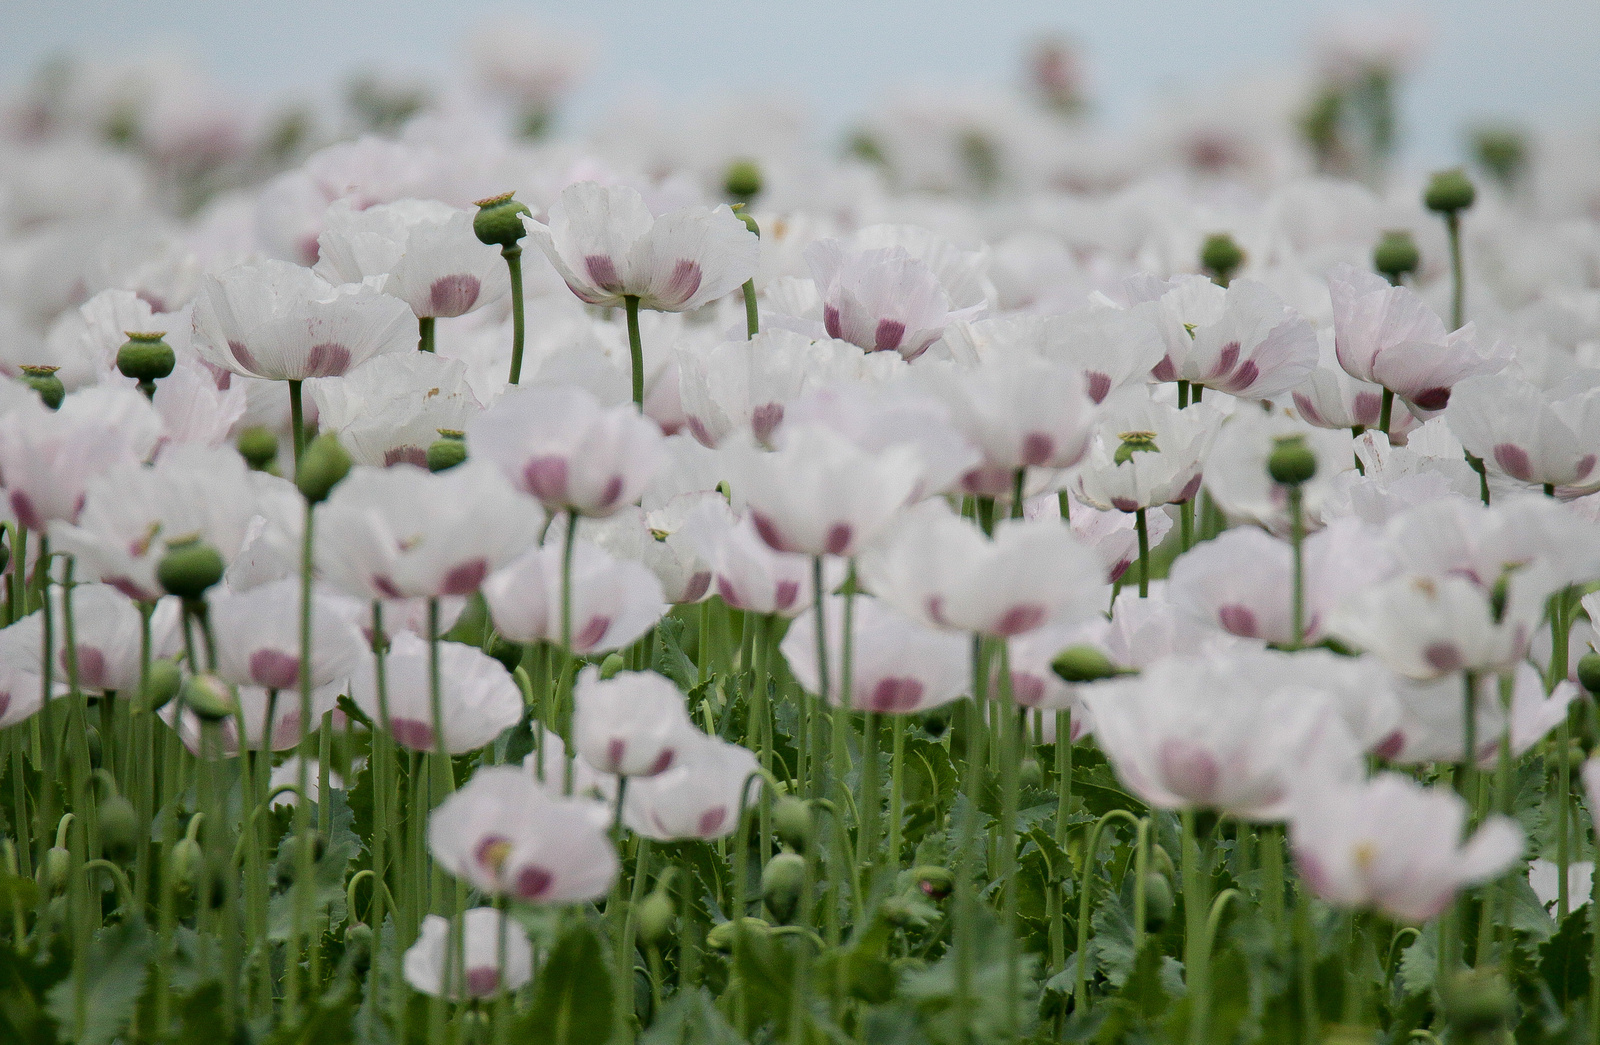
(23, 984)
(1419, 962)
(328, 874)
(1564, 958)
(114, 975)
(691, 1018)
(572, 1000)
(991, 1009)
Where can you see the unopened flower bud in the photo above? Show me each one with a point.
(1291, 462)
(1083, 663)
(1030, 773)
(897, 911)
(1221, 256)
(358, 946)
(935, 882)
(743, 180)
(612, 665)
(1134, 443)
(91, 740)
(781, 883)
(259, 447)
(1161, 862)
(447, 451)
(53, 871)
(721, 937)
(161, 684)
(183, 862)
(323, 465)
(119, 827)
(499, 220)
(792, 822)
(190, 569)
(1157, 900)
(209, 697)
(656, 916)
(146, 358)
(1449, 191)
(1589, 672)
(1478, 1005)
(1396, 255)
(43, 380)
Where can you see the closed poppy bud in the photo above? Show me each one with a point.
(358, 946)
(781, 882)
(53, 871)
(611, 666)
(184, 861)
(1589, 672)
(161, 684)
(1479, 1005)
(656, 915)
(721, 937)
(209, 697)
(119, 826)
(1030, 774)
(322, 467)
(1083, 664)
(792, 822)
(43, 380)
(499, 220)
(1157, 901)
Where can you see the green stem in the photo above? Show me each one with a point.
(302, 895)
(425, 333)
(1386, 412)
(1297, 537)
(1144, 552)
(297, 422)
(513, 255)
(635, 349)
(1196, 956)
(1458, 283)
(1080, 994)
(752, 316)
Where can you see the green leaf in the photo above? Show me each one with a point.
(327, 875)
(691, 1018)
(572, 1002)
(670, 658)
(114, 975)
(1564, 958)
(990, 1008)
(1419, 962)
(23, 982)
(330, 1021)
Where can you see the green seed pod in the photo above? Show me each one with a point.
(184, 861)
(323, 465)
(447, 451)
(259, 447)
(1589, 672)
(146, 358)
(781, 883)
(209, 697)
(792, 822)
(656, 916)
(1449, 191)
(1291, 462)
(935, 882)
(720, 938)
(1503, 152)
(1030, 774)
(1396, 255)
(53, 871)
(612, 665)
(743, 181)
(1157, 900)
(499, 220)
(1134, 443)
(190, 569)
(119, 827)
(1221, 256)
(43, 380)
(160, 685)
(1083, 664)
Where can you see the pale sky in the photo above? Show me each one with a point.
(1531, 60)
